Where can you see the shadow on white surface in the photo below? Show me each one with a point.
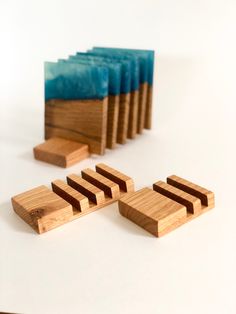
(112, 214)
(12, 220)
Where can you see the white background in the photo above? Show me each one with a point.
(103, 263)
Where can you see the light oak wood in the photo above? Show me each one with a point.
(133, 114)
(109, 187)
(61, 152)
(123, 118)
(94, 194)
(75, 198)
(112, 120)
(148, 111)
(192, 203)
(83, 121)
(44, 209)
(125, 183)
(142, 104)
(168, 206)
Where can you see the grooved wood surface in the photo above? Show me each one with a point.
(125, 183)
(109, 187)
(44, 209)
(192, 203)
(165, 208)
(61, 152)
(83, 121)
(75, 198)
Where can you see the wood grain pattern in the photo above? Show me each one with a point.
(192, 203)
(206, 196)
(109, 187)
(142, 104)
(76, 199)
(112, 120)
(93, 193)
(123, 118)
(166, 207)
(42, 209)
(148, 111)
(133, 114)
(61, 152)
(125, 183)
(83, 121)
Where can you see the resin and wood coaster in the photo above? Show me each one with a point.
(44, 209)
(167, 206)
(61, 152)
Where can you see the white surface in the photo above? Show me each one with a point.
(102, 263)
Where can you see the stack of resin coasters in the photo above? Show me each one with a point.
(99, 98)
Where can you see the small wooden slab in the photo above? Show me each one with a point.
(167, 206)
(61, 152)
(44, 209)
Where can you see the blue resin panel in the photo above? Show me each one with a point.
(125, 68)
(75, 81)
(147, 55)
(114, 70)
(122, 56)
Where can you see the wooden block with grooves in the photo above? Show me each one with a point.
(42, 209)
(125, 183)
(109, 187)
(61, 152)
(160, 214)
(151, 210)
(93, 193)
(192, 203)
(206, 196)
(76, 199)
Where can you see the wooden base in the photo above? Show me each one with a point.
(148, 112)
(84, 121)
(44, 209)
(61, 152)
(133, 114)
(142, 104)
(112, 120)
(123, 118)
(166, 207)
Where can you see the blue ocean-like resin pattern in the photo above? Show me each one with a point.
(75, 81)
(148, 55)
(114, 70)
(119, 55)
(125, 68)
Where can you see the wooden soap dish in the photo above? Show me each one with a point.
(61, 152)
(167, 206)
(44, 209)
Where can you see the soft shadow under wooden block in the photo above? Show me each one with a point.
(44, 209)
(61, 152)
(167, 206)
